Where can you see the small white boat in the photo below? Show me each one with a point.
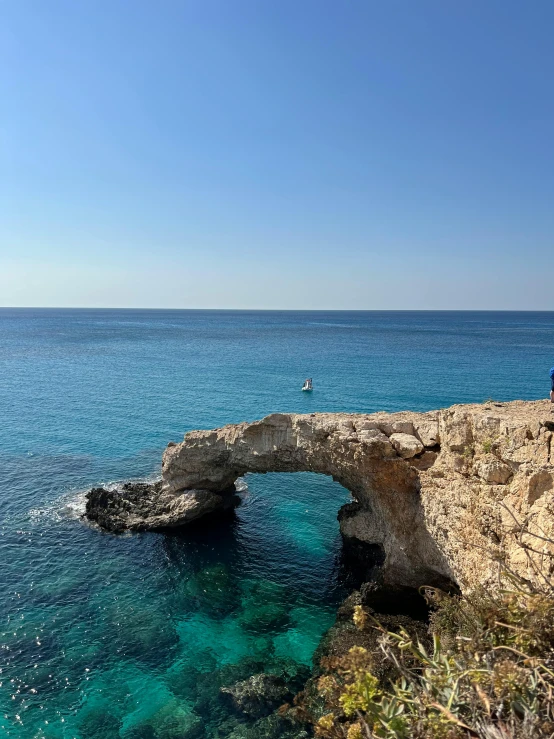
(307, 387)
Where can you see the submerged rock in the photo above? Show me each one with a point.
(269, 727)
(259, 695)
(172, 721)
(99, 723)
(182, 679)
(211, 704)
(264, 607)
(211, 590)
(264, 617)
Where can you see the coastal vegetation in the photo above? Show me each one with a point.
(485, 669)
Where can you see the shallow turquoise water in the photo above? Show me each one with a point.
(104, 636)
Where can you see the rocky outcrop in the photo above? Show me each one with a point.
(138, 506)
(437, 496)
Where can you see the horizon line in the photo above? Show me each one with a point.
(283, 310)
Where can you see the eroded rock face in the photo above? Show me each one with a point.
(436, 494)
(494, 474)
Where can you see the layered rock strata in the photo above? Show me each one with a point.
(436, 496)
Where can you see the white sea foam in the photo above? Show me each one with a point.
(72, 504)
(68, 505)
(74, 507)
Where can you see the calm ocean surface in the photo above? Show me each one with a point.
(130, 637)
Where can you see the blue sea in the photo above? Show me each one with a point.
(132, 636)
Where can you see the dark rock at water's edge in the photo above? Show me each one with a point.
(138, 506)
(393, 600)
(111, 509)
(239, 701)
(344, 635)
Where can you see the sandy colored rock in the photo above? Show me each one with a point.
(494, 471)
(406, 445)
(427, 431)
(435, 517)
(456, 429)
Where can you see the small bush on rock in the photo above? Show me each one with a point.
(487, 446)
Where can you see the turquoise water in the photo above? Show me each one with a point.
(130, 637)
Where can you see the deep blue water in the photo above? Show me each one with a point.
(130, 636)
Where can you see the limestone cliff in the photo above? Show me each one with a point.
(437, 496)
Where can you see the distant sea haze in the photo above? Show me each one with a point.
(115, 634)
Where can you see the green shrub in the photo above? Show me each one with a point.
(487, 446)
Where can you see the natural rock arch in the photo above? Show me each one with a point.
(365, 454)
(374, 457)
(441, 495)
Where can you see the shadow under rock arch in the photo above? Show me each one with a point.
(278, 531)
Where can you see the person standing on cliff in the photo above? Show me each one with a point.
(552, 388)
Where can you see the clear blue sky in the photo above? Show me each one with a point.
(277, 153)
